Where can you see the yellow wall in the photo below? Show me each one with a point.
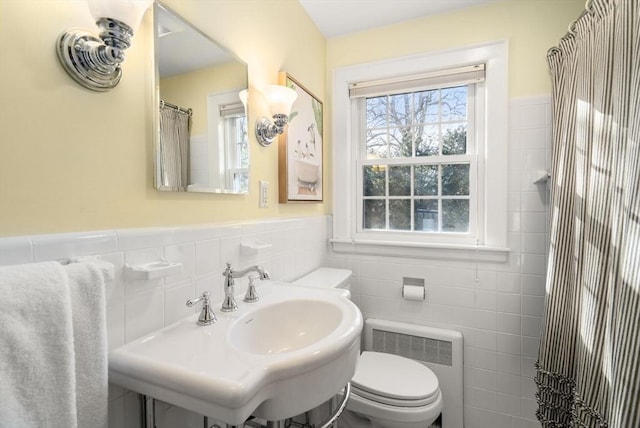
(76, 160)
(530, 26)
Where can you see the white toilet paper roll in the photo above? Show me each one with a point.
(413, 292)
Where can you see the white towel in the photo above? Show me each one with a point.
(88, 306)
(37, 367)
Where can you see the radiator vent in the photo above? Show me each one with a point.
(417, 348)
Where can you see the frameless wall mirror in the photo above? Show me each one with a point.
(201, 142)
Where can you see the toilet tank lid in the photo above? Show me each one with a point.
(325, 278)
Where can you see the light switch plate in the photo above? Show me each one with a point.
(264, 194)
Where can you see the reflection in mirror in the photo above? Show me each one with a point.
(201, 139)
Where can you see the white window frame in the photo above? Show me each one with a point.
(491, 210)
(232, 149)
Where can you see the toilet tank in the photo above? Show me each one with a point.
(325, 277)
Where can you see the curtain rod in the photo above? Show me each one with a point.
(188, 111)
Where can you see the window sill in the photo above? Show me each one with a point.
(453, 252)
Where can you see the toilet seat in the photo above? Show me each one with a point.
(394, 381)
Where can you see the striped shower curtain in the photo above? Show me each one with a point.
(173, 148)
(588, 370)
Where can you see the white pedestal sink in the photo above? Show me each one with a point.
(288, 353)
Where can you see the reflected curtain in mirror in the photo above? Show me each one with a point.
(175, 126)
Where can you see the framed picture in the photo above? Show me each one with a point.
(300, 148)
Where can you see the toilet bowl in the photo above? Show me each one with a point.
(388, 390)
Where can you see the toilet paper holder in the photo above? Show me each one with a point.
(413, 289)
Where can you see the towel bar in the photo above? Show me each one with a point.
(107, 268)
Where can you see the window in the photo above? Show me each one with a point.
(417, 157)
(423, 152)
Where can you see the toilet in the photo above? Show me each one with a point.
(388, 391)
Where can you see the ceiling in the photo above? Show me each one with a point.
(340, 17)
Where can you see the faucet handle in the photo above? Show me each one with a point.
(251, 296)
(207, 317)
(204, 298)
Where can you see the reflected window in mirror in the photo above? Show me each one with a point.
(195, 74)
(234, 127)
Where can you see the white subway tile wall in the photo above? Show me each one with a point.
(498, 307)
(136, 307)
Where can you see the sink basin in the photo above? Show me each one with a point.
(285, 327)
(286, 354)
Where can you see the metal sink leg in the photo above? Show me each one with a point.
(147, 411)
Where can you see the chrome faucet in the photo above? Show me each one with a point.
(229, 304)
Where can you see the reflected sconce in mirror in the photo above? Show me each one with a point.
(95, 62)
(280, 99)
(244, 98)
